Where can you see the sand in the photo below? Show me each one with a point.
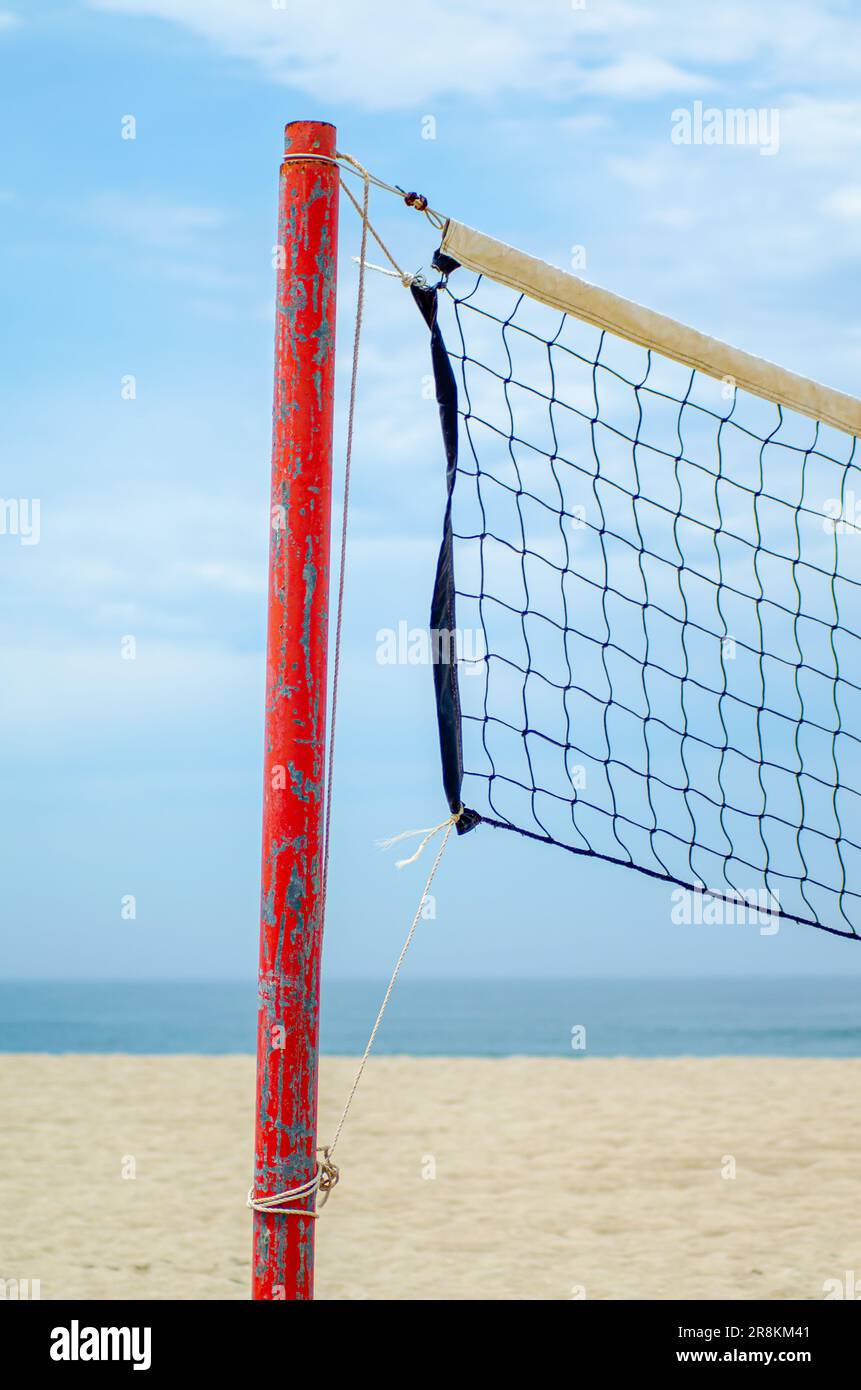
(461, 1178)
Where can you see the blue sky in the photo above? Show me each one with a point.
(152, 257)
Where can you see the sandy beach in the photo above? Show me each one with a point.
(461, 1178)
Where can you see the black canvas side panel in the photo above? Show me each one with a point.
(442, 617)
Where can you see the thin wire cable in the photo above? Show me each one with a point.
(438, 219)
(339, 159)
(402, 275)
(449, 826)
(342, 564)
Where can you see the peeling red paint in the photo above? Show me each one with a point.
(290, 924)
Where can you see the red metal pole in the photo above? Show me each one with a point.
(291, 926)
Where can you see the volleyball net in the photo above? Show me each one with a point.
(648, 597)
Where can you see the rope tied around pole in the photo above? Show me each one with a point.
(345, 163)
(326, 1173)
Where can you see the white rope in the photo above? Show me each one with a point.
(406, 280)
(411, 199)
(275, 1205)
(345, 163)
(348, 165)
(312, 155)
(428, 834)
(342, 567)
(327, 1173)
(448, 826)
(325, 1177)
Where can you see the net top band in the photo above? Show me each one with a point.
(561, 290)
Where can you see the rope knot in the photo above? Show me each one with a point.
(315, 1190)
(428, 833)
(330, 1176)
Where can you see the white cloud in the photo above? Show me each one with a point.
(588, 124)
(154, 222)
(822, 133)
(752, 227)
(679, 219)
(358, 51)
(162, 685)
(845, 202)
(179, 243)
(648, 171)
(639, 75)
(227, 578)
(158, 556)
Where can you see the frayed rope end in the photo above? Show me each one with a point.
(428, 834)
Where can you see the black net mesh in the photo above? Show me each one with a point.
(657, 580)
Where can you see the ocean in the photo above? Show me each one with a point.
(498, 1018)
